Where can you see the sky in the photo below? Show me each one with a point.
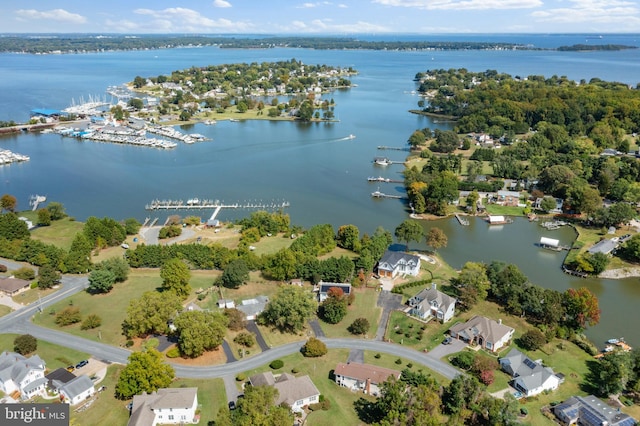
(341, 17)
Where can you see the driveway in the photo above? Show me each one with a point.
(389, 302)
(230, 388)
(253, 328)
(315, 326)
(356, 356)
(443, 351)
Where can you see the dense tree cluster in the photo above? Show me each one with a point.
(257, 408)
(145, 372)
(289, 309)
(199, 331)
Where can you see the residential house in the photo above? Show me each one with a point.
(226, 303)
(363, 377)
(23, 375)
(591, 411)
(432, 303)
(58, 377)
(11, 286)
(253, 307)
(529, 377)
(605, 246)
(508, 198)
(323, 289)
(296, 392)
(166, 406)
(487, 333)
(394, 263)
(77, 390)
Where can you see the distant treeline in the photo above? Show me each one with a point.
(587, 47)
(81, 44)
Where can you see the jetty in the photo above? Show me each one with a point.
(574, 273)
(198, 204)
(35, 200)
(378, 194)
(553, 225)
(393, 148)
(381, 179)
(461, 220)
(384, 161)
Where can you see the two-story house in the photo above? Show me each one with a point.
(484, 332)
(394, 263)
(23, 375)
(432, 303)
(363, 377)
(166, 406)
(529, 377)
(296, 392)
(77, 390)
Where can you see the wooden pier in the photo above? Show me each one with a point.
(35, 200)
(378, 194)
(461, 220)
(197, 204)
(552, 226)
(385, 180)
(574, 273)
(393, 148)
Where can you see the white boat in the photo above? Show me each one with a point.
(193, 201)
(613, 341)
(382, 161)
(234, 120)
(351, 136)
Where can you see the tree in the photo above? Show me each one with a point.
(333, 309)
(547, 204)
(13, 228)
(235, 274)
(136, 103)
(25, 344)
(48, 276)
(56, 210)
(306, 111)
(446, 141)
(348, 237)
(44, 217)
(117, 266)
(409, 230)
(313, 348)
(257, 408)
(472, 284)
(67, 316)
(132, 226)
(90, 322)
(581, 308)
(359, 326)
(150, 314)
(245, 339)
(532, 339)
(235, 319)
(289, 309)
(436, 238)
(175, 277)
(139, 82)
(199, 331)
(8, 203)
(101, 281)
(25, 273)
(145, 372)
(472, 201)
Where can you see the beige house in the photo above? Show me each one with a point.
(485, 332)
(296, 392)
(166, 406)
(363, 377)
(11, 286)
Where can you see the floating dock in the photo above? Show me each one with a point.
(461, 220)
(552, 226)
(393, 148)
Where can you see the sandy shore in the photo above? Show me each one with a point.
(621, 273)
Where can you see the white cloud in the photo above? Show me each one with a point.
(462, 4)
(328, 26)
(221, 3)
(59, 15)
(178, 19)
(316, 4)
(593, 11)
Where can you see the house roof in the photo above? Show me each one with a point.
(593, 411)
(11, 284)
(60, 376)
(34, 385)
(390, 259)
(433, 296)
(605, 246)
(294, 388)
(143, 405)
(76, 386)
(262, 379)
(536, 379)
(363, 372)
(15, 367)
(490, 330)
(252, 307)
(324, 287)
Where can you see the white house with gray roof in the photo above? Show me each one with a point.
(529, 377)
(394, 263)
(20, 374)
(296, 392)
(432, 303)
(77, 390)
(485, 332)
(166, 406)
(591, 411)
(251, 308)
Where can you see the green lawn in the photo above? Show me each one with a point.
(211, 396)
(364, 306)
(4, 310)
(106, 410)
(495, 209)
(54, 356)
(31, 295)
(60, 233)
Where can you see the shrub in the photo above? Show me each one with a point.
(129, 343)
(245, 339)
(524, 411)
(532, 339)
(25, 273)
(377, 356)
(67, 316)
(241, 377)
(295, 371)
(25, 344)
(486, 377)
(92, 321)
(3, 268)
(34, 284)
(276, 364)
(326, 404)
(409, 365)
(173, 352)
(151, 343)
(398, 361)
(359, 326)
(313, 348)
(315, 407)
(463, 360)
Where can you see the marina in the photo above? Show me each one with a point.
(170, 132)
(8, 157)
(196, 203)
(120, 135)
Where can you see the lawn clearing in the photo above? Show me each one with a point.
(364, 306)
(31, 295)
(405, 330)
(495, 209)
(54, 356)
(60, 233)
(106, 410)
(211, 396)
(4, 310)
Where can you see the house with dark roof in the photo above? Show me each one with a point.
(22, 375)
(591, 411)
(484, 332)
(394, 263)
(529, 377)
(166, 406)
(11, 286)
(432, 303)
(58, 377)
(77, 390)
(296, 392)
(324, 287)
(363, 377)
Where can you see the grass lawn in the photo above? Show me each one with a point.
(407, 331)
(256, 286)
(53, 355)
(106, 410)
(274, 337)
(364, 306)
(60, 233)
(4, 310)
(31, 295)
(211, 396)
(495, 209)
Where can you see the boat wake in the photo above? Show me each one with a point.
(351, 136)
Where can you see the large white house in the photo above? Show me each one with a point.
(77, 390)
(363, 377)
(23, 375)
(296, 392)
(166, 406)
(431, 302)
(485, 332)
(529, 377)
(394, 263)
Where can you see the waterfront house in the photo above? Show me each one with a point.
(394, 263)
(296, 392)
(605, 246)
(591, 411)
(12, 286)
(166, 406)
(77, 390)
(363, 377)
(21, 375)
(508, 198)
(323, 289)
(484, 332)
(529, 377)
(251, 308)
(432, 303)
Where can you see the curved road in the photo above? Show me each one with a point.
(19, 322)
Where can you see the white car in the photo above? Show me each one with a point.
(124, 246)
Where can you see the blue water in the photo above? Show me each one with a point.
(312, 166)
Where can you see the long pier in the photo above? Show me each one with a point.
(378, 194)
(461, 220)
(197, 204)
(393, 148)
(35, 200)
(385, 180)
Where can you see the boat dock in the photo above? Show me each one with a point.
(393, 148)
(170, 132)
(574, 273)
(381, 179)
(197, 204)
(461, 220)
(378, 194)
(35, 200)
(552, 226)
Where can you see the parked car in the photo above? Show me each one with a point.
(82, 364)
(70, 368)
(232, 405)
(447, 341)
